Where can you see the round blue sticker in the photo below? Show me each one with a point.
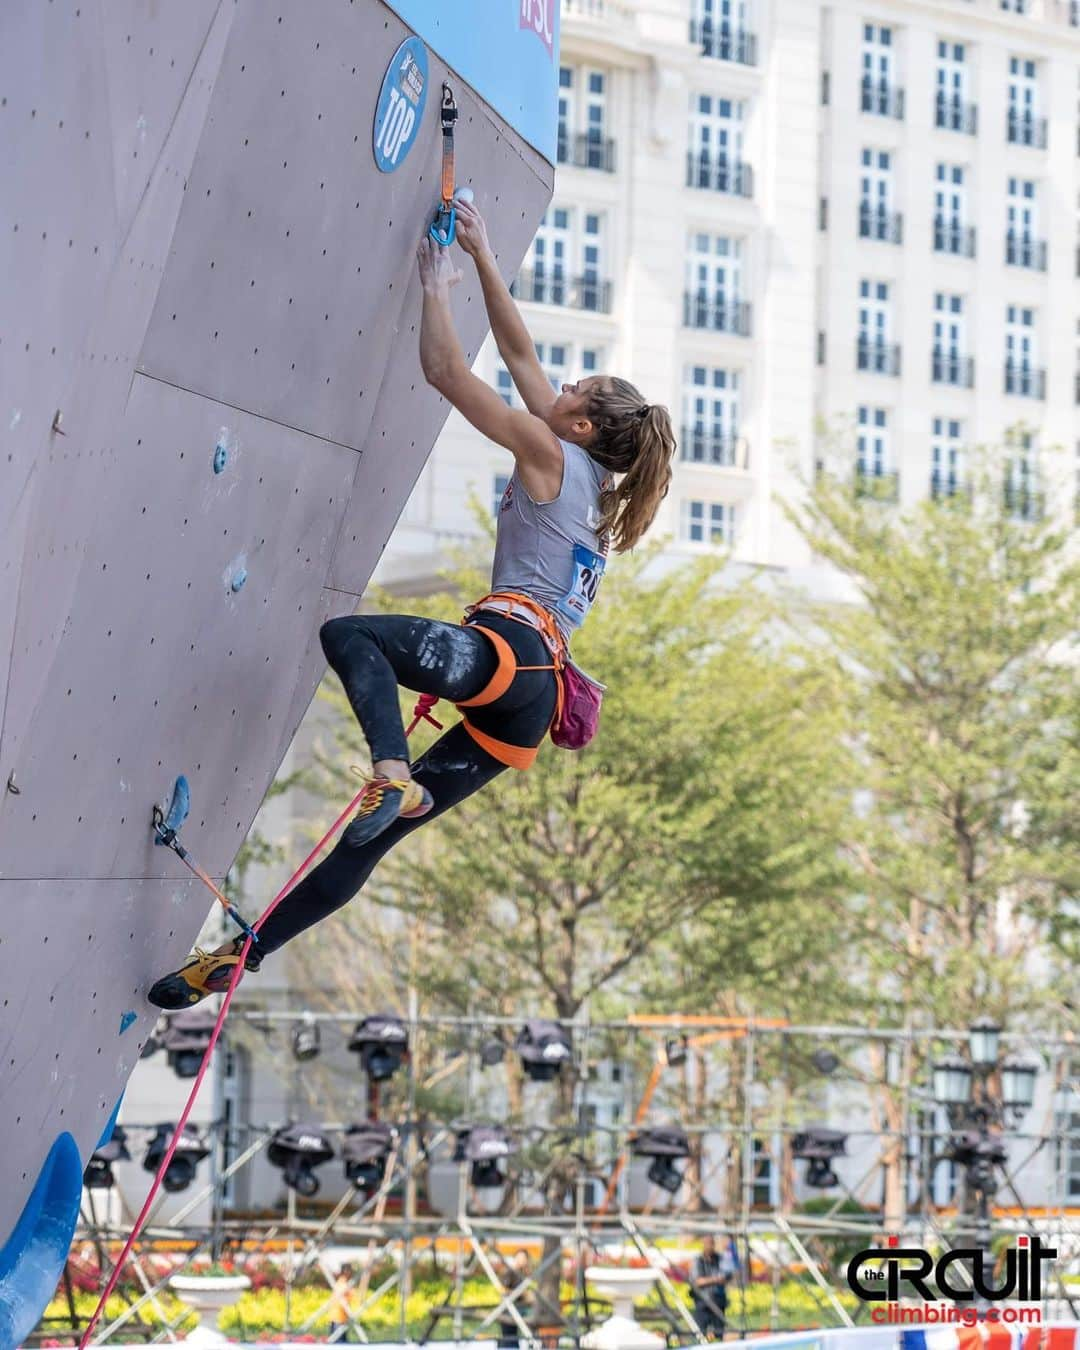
(401, 105)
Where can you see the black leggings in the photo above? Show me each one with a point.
(373, 654)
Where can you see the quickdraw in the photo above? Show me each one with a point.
(166, 826)
(444, 228)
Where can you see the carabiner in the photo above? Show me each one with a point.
(444, 227)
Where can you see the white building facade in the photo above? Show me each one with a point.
(773, 214)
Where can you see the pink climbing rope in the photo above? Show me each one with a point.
(422, 712)
(179, 1129)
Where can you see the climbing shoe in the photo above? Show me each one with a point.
(382, 801)
(201, 975)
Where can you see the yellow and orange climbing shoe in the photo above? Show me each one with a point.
(201, 975)
(382, 801)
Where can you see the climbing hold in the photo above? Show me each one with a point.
(127, 1019)
(177, 813)
(11, 784)
(221, 457)
(464, 194)
(239, 579)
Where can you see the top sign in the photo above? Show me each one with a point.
(401, 105)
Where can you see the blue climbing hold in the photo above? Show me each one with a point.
(239, 579)
(178, 808)
(221, 457)
(128, 1019)
(32, 1259)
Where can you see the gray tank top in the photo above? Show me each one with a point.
(550, 550)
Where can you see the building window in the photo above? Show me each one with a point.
(715, 157)
(583, 114)
(499, 483)
(708, 522)
(880, 93)
(1022, 375)
(565, 265)
(872, 442)
(1068, 1154)
(1023, 124)
(949, 364)
(875, 352)
(953, 110)
(559, 360)
(947, 454)
(1015, 6)
(951, 232)
(1022, 247)
(761, 1195)
(720, 29)
(710, 429)
(1023, 494)
(877, 219)
(714, 284)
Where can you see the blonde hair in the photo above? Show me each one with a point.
(635, 439)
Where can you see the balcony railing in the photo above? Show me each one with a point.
(956, 114)
(1023, 251)
(719, 175)
(572, 292)
(882, 98)
(1024, 501)
(719, 315)
(872, 481)
(879, 358)
(948, 485)
(724, 450)
(952, 237)
(724, 42)
(949, 368)
(1025, 129)
(585, 151)
(1025, 381)
(877, 223)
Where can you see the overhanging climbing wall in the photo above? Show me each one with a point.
(211, 413)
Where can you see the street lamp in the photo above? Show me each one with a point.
(952, 1081)
(1018, 1085)
(984, 1039)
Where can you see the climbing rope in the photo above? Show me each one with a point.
(422, 712)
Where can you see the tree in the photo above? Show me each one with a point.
(959, 651)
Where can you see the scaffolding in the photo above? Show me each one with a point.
(575, 1202)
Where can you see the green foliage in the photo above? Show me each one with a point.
(960, 662)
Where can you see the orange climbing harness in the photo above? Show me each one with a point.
(523, 609)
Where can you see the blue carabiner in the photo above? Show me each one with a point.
(444, 228)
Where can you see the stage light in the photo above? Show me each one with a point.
(483, 1146)
(825, 1061)
(366, 1150)
(492, 1052)
(382, 1043)
(186, 1039)
(306, 1041)
(99, 1174)
(817, 1147)
(544, 1048)
(298, 1150)
(675, 1051)
(190, 1151)
(663, 1144)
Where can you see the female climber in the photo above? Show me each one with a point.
(560, 511)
